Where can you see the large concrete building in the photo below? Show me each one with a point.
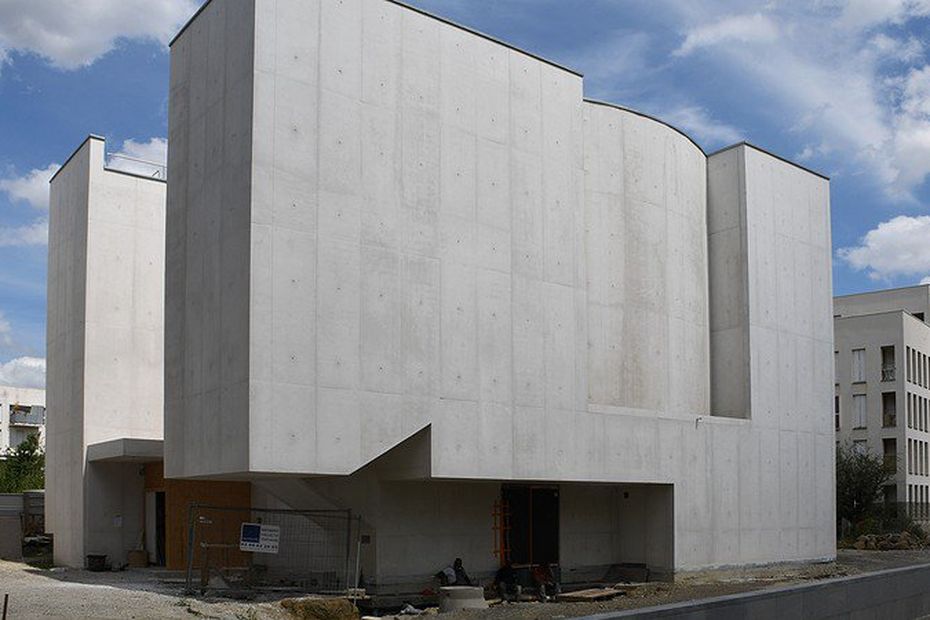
(882, 399)
(22, 413)
(105, 491)
(411, 271)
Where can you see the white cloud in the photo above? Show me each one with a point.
(846, 75)
(23, 372)
(696, 122)
(755, 28)
(32, 187)
(146, 158)
(903, 50)
(867, 14)
(75, 34)
(20, 236)
(896, 248)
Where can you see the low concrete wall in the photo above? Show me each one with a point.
(11, 537)
(891, 594)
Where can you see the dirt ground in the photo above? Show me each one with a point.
(57, 593)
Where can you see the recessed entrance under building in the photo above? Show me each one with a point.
(532, 534)
(155, 526)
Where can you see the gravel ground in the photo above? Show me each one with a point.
(57, 593)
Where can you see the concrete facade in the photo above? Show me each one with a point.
(407, 264)
(22, 413)
(883, 366)
(105, 348)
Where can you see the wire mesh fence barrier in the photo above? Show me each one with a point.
(310, 551)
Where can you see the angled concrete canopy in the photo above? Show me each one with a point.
(126, 450)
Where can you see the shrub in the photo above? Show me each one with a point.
(24, 467)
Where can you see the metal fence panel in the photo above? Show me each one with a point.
(309, 551)
(11, 503)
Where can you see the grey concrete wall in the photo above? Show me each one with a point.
(208, 237)
(105, 343)
(114, 517)
(896, 594)
(11, 537)
(440, 232)
(646, 265)
(770, 281)
(417, 527)
(67, 256)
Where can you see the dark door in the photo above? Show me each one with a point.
(533, 534)
(545, 537)
(160, 528)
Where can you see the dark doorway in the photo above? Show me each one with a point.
(160, 528)
(533, 532)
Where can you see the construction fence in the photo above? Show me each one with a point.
(307, 551)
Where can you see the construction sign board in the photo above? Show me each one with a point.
(259, 538)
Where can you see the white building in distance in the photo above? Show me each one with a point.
(882, 399)
(22, 413)
(411, 271)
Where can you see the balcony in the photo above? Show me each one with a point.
(21, 415)
(888, 373)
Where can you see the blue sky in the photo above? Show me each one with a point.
(840, 86)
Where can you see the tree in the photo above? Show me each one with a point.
(24, 467)
(860, 478)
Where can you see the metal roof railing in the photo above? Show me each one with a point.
(135, 165)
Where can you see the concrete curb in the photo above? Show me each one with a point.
(893, 593)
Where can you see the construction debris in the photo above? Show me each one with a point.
(589, 595)
(886, 542)
(312, 608)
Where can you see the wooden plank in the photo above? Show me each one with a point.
(592, 594)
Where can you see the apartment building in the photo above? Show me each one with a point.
(882, 397)
(22, 413)
(414, 273)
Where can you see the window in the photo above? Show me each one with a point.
(836, 411)
(859, 410)
(860, 447)
(890, 453)
(888, 366)
(889, 409)
(858, 365)
(908, 360)
(919, 316)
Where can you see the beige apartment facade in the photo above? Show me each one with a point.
(882, 391)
